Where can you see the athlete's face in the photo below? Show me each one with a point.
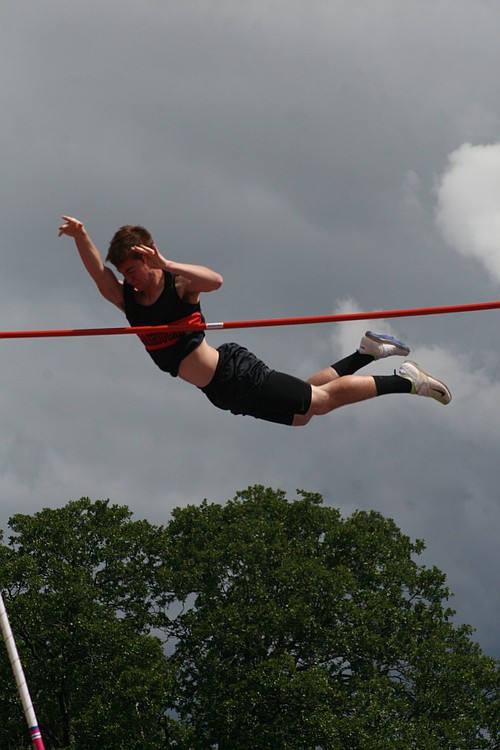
(135, 272)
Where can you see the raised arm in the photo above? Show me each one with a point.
(107, 283)
(193, 279)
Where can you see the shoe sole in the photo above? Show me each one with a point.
(382, 338)
(442, 389)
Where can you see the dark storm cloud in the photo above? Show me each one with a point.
(302, 150)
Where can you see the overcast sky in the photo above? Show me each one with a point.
(323, 156)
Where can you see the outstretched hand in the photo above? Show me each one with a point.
(72, 227)
(151, 255)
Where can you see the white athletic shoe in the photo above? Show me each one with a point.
(378, 345)
(423, 383)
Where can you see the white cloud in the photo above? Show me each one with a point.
(468, 212)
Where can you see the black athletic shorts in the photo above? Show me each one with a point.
(242, 384)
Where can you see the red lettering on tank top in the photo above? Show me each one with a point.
(162, 339)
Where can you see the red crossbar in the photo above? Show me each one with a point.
(338, 318)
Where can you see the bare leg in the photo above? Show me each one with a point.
(372, 346)
(323, 376)
(349, 389)
(347, 366)
(336, 385)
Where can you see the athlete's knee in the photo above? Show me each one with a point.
(321, 401)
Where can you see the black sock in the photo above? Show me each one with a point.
(391, 384)
(351, 364)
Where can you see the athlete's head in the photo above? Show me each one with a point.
(120, 247)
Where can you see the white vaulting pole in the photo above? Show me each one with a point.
(29, 713)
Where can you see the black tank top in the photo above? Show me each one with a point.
(167, 348)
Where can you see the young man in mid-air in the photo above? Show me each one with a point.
(157, 292)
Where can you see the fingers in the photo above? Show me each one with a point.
(150, 255)
(63, 228)
(70, 227)
(71, 220)
(149, 252)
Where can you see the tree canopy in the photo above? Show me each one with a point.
(307, 631)
(263, 623)
(82, 586)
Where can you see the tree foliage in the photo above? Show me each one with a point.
(288, 626)
(83, 588)
(306, 631)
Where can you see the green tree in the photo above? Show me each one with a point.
(301, 630)
(84, 586)
(290, 628)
